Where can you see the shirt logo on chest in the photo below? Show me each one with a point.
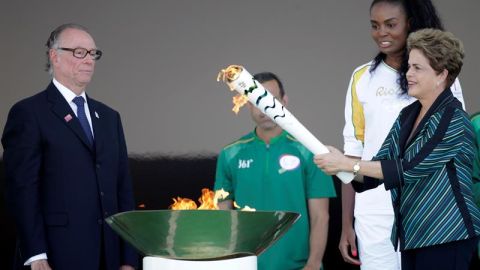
(288, 163)
(244, 163)
(384, 91)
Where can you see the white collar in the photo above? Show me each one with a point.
(68, 94)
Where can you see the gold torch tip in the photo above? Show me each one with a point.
(229, 74)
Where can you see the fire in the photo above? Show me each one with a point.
(229, 74)
(238, 102)
(208, 201)
(183, 204)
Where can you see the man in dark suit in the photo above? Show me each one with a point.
(67, 166)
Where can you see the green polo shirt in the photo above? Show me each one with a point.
(278, 176)
(476, 163)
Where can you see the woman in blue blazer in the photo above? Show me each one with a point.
(426, 161)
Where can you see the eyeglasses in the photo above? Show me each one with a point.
(81, 53)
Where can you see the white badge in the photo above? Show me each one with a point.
(289, 162)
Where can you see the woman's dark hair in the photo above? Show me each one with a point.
(420, 14)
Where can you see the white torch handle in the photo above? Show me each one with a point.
(268, 104)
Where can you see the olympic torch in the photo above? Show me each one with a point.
(240, 80)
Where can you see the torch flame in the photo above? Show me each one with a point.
(230, 74)
(238, 102)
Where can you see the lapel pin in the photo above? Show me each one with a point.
(96, 115)
(67, 118)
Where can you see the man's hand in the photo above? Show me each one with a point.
(40, 265)
(348, 246)
(126, 267)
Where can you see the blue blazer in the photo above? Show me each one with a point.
(60, 188)
(430, 175)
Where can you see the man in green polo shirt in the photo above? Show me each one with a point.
(270, 170)
(476, 163)
(475, 118)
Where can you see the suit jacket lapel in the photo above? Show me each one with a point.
(96, 117)
(407, 121)
(445, 97)
(62, 110)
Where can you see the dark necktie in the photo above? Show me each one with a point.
(82, 117)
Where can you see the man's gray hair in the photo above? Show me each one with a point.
(53, 39)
